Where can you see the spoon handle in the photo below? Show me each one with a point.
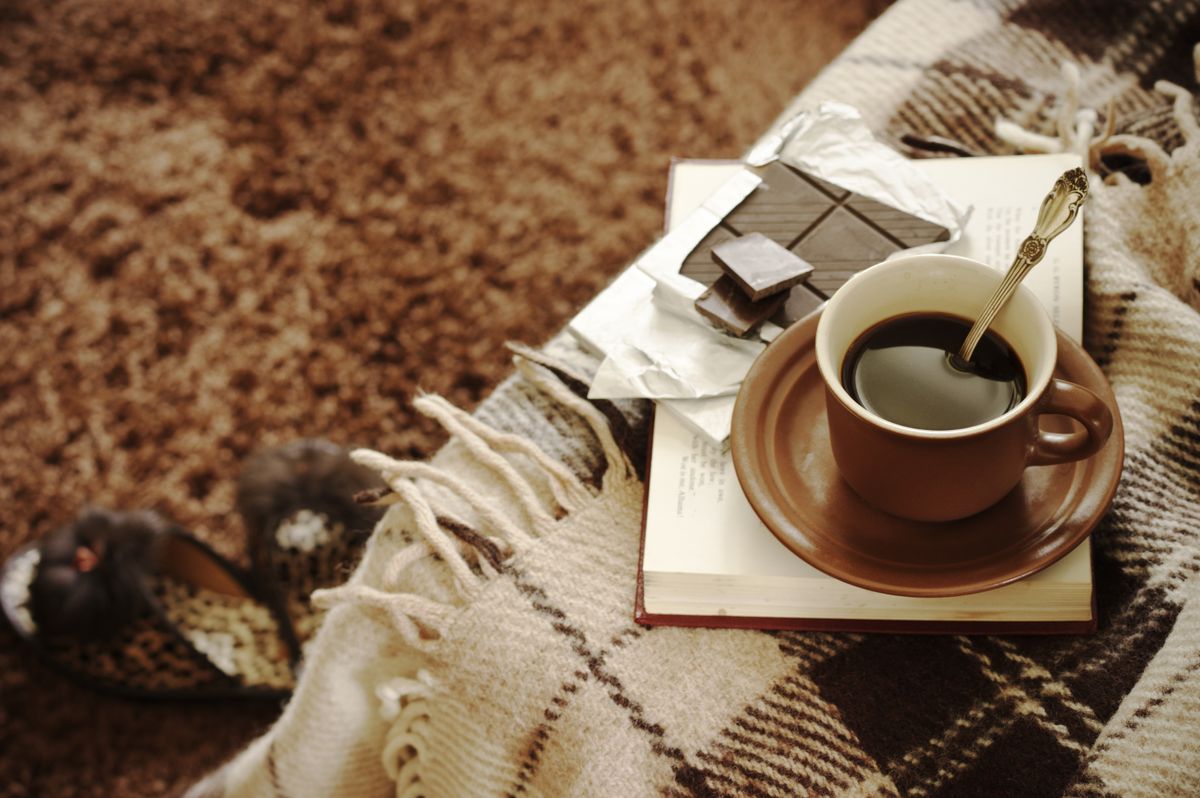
(1056, 214)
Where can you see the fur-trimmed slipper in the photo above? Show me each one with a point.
(305, 529)
(129, 603)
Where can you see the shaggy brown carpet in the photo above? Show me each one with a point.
(228, 224)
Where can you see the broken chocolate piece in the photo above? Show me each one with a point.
(727, 307)
(759, 266)
(840, 233)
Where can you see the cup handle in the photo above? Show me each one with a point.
(1068, 399)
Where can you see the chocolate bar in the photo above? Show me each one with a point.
(784, 206)
(760, 266)
(699, 264)
(840, 233)
(727, 307)
(800, 302)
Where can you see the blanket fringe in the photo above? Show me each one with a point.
(414, 470)
(405, 702)
(618, 466)
(1155, 157)
(472, 557)
(1151, 152)
(1076, 128)
(565, 487)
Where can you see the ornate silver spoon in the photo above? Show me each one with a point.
(1058, 210)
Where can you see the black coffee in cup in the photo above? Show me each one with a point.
(905, 369)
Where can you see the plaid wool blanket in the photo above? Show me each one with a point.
(486, 646)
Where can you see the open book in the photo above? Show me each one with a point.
(707, 560)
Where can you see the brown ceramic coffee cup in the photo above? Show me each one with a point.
(941, 475)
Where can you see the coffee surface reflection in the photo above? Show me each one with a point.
(904, 370)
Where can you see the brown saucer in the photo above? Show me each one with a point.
(780, 448)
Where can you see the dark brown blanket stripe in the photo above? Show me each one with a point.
(1103, 353)
(1136, 35)
(594, 661)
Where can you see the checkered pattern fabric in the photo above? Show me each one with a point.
(506, 660)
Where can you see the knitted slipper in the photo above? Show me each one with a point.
(305, 530)
(129, 604)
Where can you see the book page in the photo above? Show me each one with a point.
(690, 182)
(1007, 192)
(698, 520)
